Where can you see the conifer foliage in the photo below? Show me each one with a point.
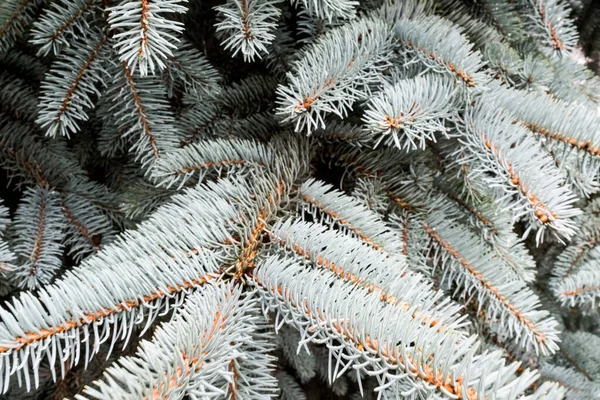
(261, 199)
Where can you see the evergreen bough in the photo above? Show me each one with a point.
(254, 199)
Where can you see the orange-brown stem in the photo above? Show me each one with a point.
(539, 336)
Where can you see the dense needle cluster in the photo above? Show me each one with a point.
(334, 199)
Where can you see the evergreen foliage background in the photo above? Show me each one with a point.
(314, 199)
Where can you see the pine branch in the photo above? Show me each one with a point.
(144, 38)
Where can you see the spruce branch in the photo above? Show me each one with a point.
(574, 82)
(465, 260)
(353, 262)
(194, 352)
(189, 71)
(22, 64)
(582, 249)
(164, 263)
(254, 372)
(537, 73)
(312, 28)
(28, 158)
(7, 257)
(573, 383)
(89, 227)
(550, 21)
(580, 288)
(343, 212)
(394, 11)
(61, 23)
(343, 132)
(176, 167)
(403, 270)
(297, 355)
(575, 351)
(247, 26)
(18, 99)
(573, 126)
(289, 388)
(358, 340)
(329, 9)
(334, 73)
(513, 159)
(70, 86)
(410, 226)
(411, 112)
(500, 16)
(230, 112)
(15, 17)
(453, 56)
(39, 232)
(142, 115)
(548, 391)
(144, 37)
